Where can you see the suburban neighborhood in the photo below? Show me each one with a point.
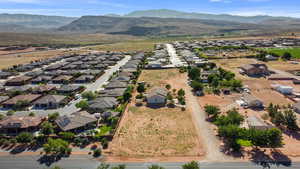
(219, 100)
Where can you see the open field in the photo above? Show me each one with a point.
(164, 132)
(7, 39)
(284, 66)
(15, 59)
(295, 52)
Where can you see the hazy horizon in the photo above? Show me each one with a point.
(77, 8)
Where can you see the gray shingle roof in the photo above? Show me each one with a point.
(75, 120)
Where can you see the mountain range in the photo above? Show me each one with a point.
(149, 23)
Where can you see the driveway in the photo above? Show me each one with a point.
(205, 130)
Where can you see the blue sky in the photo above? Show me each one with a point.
(100, 7)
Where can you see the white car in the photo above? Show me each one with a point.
(77, 96)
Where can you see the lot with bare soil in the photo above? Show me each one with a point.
(157, 133)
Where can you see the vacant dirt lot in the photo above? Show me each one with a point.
(261, 88)
(284, 66)
(163, 132)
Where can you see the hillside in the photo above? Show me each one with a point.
(165, 13)
(156, 26)
(27, 23)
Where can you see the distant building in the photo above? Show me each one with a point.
(255, 70)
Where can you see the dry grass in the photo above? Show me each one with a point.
(284, 66)
(156, 132)
(158, 77)
(163, 132)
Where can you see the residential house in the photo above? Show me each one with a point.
(296, 107)
(255, 70)
(62, 79)
(50, 102)
(17, 124)
(256, 123)
(26, 100)
(5, 75)
(112, 92)
(3, 98)
(69, 89)
(43, 89)
(122, 79)
(18, 81)
(116, 84)
(76, 122)
(251, 101)
(103, 104)
(84, 79)
(157, 96)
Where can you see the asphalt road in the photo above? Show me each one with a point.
(87, 162)
(176, 62)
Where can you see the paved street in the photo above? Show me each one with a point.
(87, 162)
(71, 108)
(176, 62)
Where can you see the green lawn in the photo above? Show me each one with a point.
(295, 52)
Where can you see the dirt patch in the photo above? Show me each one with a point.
(156, 133)
(284, 66)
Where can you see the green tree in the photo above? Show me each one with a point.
(89, 95)
(52, 117)
(56, 167)
(197, 86)
(57, 147)
(47, 128)
(215, 82)
(141, 88)
(287, 56)
(24, 137)
(103, 166)
(229, 76)
(155, 167)
(10, 113)
(168, 87)
(122, 166)
(169, 97)
(2, 117)
(83, 104)
(236, 84)
(232, 117)
(290, 119)
(212, 110)
(68, 136)
(194, 73)
(181, 93)
(31, 114)
(97, 152)
(191, 165)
